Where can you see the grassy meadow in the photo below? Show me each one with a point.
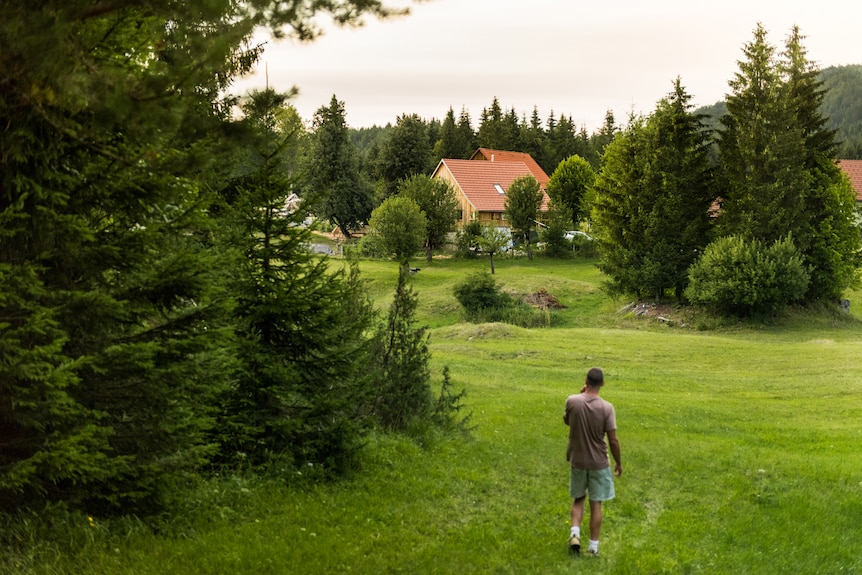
(740, 446)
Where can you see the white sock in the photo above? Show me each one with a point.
(594, 546)
(575, 531)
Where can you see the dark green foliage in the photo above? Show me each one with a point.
(406, 153)
(652, 200)
(301, 336)
(401, 388)
(111, 333)
(334, 185)
(523, 202)
(747, 277)
(456, 140)
(568, 187)
(437, 200)
(480, 295)
(778, 158)
(447, 414)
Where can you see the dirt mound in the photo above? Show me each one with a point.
(543, 300)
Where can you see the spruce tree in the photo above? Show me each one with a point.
(402, 392)
(302, 351)
(334, 185)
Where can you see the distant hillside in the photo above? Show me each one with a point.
(842, 106)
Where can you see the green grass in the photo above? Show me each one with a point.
(740, 454)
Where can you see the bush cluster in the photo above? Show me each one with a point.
(748, 278)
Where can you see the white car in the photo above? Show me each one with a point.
(570, 235)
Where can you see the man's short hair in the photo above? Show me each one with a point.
(595, 377)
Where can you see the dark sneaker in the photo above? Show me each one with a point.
(575, 544)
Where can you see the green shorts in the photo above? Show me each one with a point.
(599, 483)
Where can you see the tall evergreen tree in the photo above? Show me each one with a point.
(762, 151)
(334, 184)
(301, 387)
(652, 200)
(830, 240)
(466, 135)
(112, 335)
(778, 158)
(407, 152)
(494, 131)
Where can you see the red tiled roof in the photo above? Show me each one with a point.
(476, 181)
(507, 156)
(853, 169)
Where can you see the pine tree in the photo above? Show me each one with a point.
(334, 185)
(402, 393)
(302, 351)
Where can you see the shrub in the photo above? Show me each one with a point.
(479, 294)
(467, 240)
(745, 277)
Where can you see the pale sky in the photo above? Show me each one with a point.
(562, 56)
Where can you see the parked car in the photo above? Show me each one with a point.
(570, 235)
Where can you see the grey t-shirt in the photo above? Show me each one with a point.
(589, 419)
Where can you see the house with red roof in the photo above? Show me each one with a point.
(482, 181)
(853, 169)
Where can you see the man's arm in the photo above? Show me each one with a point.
(614, 444)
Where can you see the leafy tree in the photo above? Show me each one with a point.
(568, 185)
(399, 226)
(493, 240)
(437, 200)
(334, 184)
(523, 202)
(406, 153)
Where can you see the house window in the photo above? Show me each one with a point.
(500, 189)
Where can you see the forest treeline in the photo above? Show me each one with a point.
(551, 140)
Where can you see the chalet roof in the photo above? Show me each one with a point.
(853, 169)
(477, 180)
(507, 156)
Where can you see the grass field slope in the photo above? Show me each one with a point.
(740, 446)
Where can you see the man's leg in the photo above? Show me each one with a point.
(595, 524)
(577, 517)
(578, 511)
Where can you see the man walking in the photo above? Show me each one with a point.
(590, 418)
